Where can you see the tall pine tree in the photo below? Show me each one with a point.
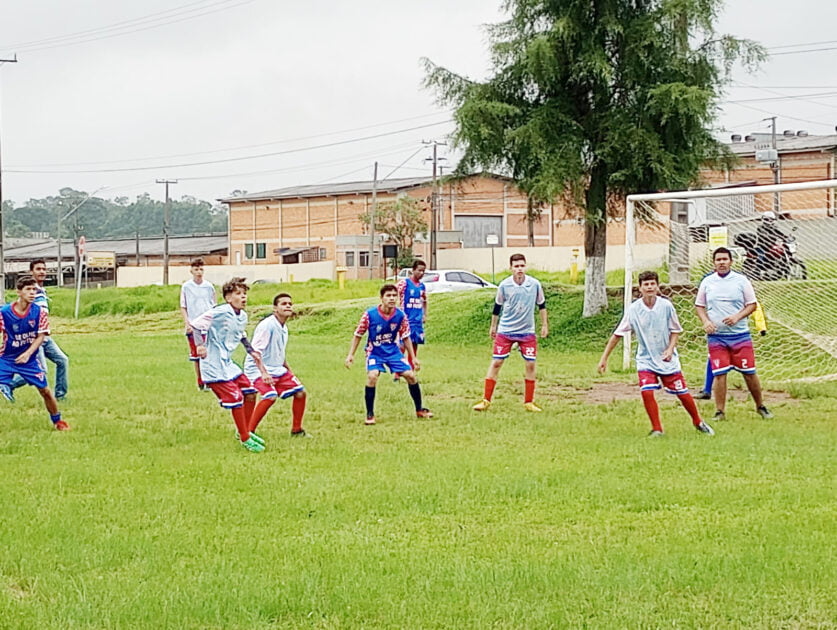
(591, 100)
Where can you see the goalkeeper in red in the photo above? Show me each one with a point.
(657, 328)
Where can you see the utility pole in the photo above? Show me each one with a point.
(166, 220)
(372, 221)
(774, 166)
(2, 226)
(434, 199)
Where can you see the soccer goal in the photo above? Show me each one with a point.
(783, 237)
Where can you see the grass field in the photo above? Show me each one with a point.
(148, 515)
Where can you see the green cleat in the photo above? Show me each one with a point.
(253, 446)
(253, 436)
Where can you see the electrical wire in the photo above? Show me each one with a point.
(235, 159)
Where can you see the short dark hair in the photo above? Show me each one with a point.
(387, 288)
(721, 250)
(197, 262)
(649, 275)
(25, 281)
(233, 285)
(37, 261)
(280, 296)
(419, 263)
(514, 257)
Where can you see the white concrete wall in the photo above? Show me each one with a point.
(546, 258)
(219, 274)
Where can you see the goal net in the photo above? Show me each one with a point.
(783, 237)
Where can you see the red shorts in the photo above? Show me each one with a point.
(193, 351)
(733, 352)
(231, 393)
(527, 344)
(674, 383)
(283, 386)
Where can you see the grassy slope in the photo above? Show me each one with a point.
(147, 515)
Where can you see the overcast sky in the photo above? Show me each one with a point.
(106, 86)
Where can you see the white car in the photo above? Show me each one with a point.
(449, 280)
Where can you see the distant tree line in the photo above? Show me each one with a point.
(110, 218)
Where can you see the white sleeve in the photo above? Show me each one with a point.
(261, 338)
(700, 300)
(204, 321)
(182, 298)
(673, 320)
(749, 292)
(624, 327)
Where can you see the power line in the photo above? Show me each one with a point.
(799, 52)
(235, 159)
(231, 149)
(831, 41)
(782, 98)
(70, 42)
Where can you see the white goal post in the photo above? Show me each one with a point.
(783, 237)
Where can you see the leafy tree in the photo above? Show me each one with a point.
(400, 220)
(591, 100)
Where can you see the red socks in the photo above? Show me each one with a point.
(241, 423)
(652, 409)
(529, 391)
(689, 404)
(260, 411)
(298, 410)
(490, 383)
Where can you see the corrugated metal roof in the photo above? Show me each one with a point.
(344, 188)
(786, 144)
(178, 246)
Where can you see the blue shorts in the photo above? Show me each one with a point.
(395, 362)
(32, 371)
(416, 334)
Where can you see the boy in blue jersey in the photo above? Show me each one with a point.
(217, 334)
(412, 298)
(270, 340)
(517, 297)
(23, 327)
(657, 329)
(196, 297)
(385, 324)
(49, 349)
(724, 301)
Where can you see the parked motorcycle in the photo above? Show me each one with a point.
(778, 261)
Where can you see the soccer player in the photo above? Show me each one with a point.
(270, 340)
(385, 324)
(217, 334)
(49, 349)
(412, 298)
(23, 327)
(724, 301)
(196, 297)
(517, 297)
(657, 329)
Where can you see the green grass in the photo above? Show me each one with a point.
(147, 514)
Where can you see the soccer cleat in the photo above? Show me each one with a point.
(251, 445)
(253, 436)
(530, 406)
(424, 412)
(720, 415)
(301, 434)
(482, 405)
(764, 412)
(703, 396)
(656, 434)
(61, 426)
(704, 428)
(370, 420)
(6, 391)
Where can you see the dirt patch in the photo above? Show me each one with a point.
(607, 393)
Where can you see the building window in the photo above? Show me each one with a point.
(261, 250)
(248, 251)
(350, 259)
(363, 259)
(323, 253)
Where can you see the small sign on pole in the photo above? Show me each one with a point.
(81, 245)
(492, 240)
